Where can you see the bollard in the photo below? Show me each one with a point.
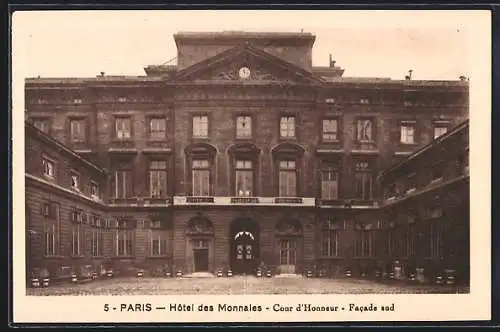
(74, 279)
(269, 274)
(450, 277)
(412, 276)
(109, 273)
(35, 282)
(219, 273)
(378, 274)
(229, 273)
(348, 273)
(391, 275)
(45, 282)
(179, 274)
(168, 274)
(94, 275)
(259, 273)
(140, 274)
(309, 274)
(439, 279)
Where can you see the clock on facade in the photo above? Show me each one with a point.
(244, 72)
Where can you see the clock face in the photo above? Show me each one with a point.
(244, 72)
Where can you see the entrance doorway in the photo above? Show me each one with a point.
(288, 255)
(244, 247)
(200, 256)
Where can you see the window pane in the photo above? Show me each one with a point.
(364, 128)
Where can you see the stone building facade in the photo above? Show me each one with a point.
(243, 152)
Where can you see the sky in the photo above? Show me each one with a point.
(365, 44)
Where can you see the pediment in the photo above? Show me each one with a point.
(246, 65)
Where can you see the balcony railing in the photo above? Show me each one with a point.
(244, 201)
(140, 201)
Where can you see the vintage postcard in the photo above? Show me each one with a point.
(251, 166)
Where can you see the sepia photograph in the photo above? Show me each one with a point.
(230, 157)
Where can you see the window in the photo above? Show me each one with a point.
(392, 242)
(42, 125)
(77, 240)
(440, 128)
(436, 238)
(97, 242)
(158, 235)
(408, 132)
(94, 190)
(77, 216)
(77, 130)
(438, 171)
(243, 127)
(287, 126)
(363, 243)
(123, 183)
(50, 238)
(330, 240)
(48, 168)
(364, 179)
(330, 130)
(50, 228)
(329, 183)
(200, 126)
(158, 178)
(244, 178)
(287, 252)
(125, 242)
(157, 128)
(75, 180)
(364, 129)
(201, 177)
(410, 240)
(123, 127)
(287, 178)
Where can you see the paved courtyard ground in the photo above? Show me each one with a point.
(239, 285)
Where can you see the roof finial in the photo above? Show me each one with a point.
(408, 77)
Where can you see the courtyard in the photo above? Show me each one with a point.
(240, 285)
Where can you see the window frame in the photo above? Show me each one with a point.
(287, 118)
(152, 170)
(444, 124)
(372, 137)
(126, 185)
(50, 161)
(368, 170)
(238, 134)
(193, 126)
(117, 119)
(336, 132)
(78, 186)
(288, 170)
(151, 136)
(330, 168)
(83, 129)
(244, 169)
(408, 124)
(207, 169)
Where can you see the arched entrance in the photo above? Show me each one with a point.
(288, 234)
(244, 246)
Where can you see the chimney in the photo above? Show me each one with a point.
(331, 61)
